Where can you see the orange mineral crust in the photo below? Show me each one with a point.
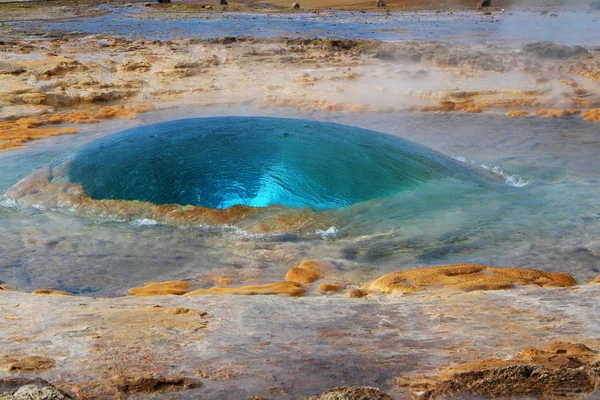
(465, 277)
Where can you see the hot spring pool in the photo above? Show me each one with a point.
(249, 197)
(258, 162)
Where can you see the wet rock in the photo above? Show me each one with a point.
(295, 6)
(26, 364)
(555, 370)
(52, 292)
(165, 288)
(329, 287)
(152, 384)
(553, 50)
(556, 113)
(307, 272)
(302, 276)
(517, 113)
(466, 277)
(33, 392)
(355, 294)
(353, 393)
(133, 66)
(380, 3)
(288, 288)
(592, 115)
(485, 3)
(9, 69)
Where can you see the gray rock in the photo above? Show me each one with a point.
(595, 5)
(33, 392)
(295, 6)
(553, 50)
(380, 3)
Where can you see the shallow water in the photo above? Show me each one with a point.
(550, 223)
(574, 25)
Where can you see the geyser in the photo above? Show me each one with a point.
(257, 162)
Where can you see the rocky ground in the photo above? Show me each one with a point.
(50, 87)
(450, 335)
(437, 333)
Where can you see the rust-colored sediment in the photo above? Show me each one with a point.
(308, 272)
(165, 288)
(287, 288)
(329, 287)
(25, 364)
(14, 134)
(177, 310)
(466, 277)
(554, 370)
(37, 189)
(352, 393)
(592, 115)
(52, 292)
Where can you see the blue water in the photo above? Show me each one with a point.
(227, 161)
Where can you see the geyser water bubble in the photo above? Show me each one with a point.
(226, 161)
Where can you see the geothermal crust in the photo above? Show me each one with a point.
(178, 337)
(51, 87)
(308, 333)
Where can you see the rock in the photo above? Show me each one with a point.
(151, 384)
(466, 277)
(290, 288)
(33, 392)
(485, 3)
(380, 3)
(147, 4)
(353, 393)
(223, 2)
(165, 288)
(52, 292)
(355, 294)
(517, 113)
(307, 272)
(303, 276)
(295, 6)
(9, 69)
(329, 287)
(133, 66)
(595, 5)
(592, 115)
(556, 113)
(26, 364)
(555, 370)
(553, 50)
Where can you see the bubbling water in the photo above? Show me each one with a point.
(258, 162)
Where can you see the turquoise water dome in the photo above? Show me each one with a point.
(226, 161)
